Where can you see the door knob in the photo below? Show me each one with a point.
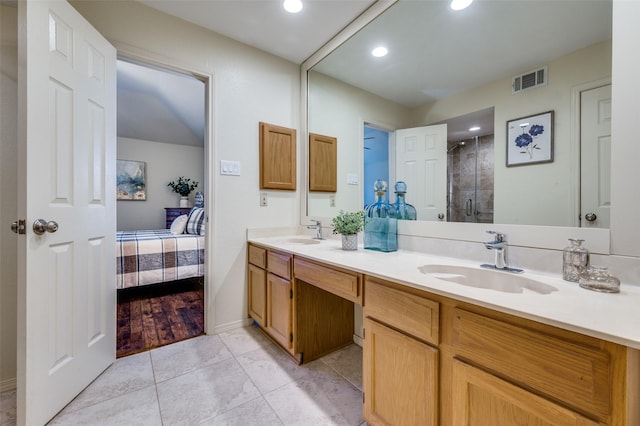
(40, 226)
(440, 216)
(590, 217)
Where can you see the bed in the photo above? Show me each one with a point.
(161, 255)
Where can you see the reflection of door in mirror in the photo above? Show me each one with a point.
(421, 162)
(470, 180)
(595, 158)
(376, 160)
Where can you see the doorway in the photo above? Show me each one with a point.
(162, 122)
(376, 160)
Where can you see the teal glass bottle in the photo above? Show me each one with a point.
(380, 223)
(404, 211)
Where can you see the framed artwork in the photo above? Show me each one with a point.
(131, 180)
(530, 140)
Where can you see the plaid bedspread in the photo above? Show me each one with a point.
(155, 256)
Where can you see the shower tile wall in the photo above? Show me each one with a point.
(461, 181)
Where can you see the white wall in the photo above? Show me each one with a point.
(339, 110)
(249, 86)
(164, 163)
(8, 206)
(519, 190)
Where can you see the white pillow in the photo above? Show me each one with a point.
(179, 224)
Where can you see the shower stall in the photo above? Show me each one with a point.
(470, 180)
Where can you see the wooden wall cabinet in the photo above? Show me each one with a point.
(277, 157)
(323, 163)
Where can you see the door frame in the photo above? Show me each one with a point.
(575, 145)
(143, 57)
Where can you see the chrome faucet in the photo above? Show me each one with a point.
(499, 246)
(318, 227)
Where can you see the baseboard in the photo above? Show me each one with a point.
(7, 385)
(231, 326)
(358, 340)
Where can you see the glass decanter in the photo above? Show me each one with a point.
(404, 211)
(575, 260)
(380, 223)
(598, 278)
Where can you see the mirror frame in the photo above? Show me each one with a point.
(623, 236)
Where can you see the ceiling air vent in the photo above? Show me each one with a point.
(529, 80)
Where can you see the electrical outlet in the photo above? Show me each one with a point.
(332, 200)
(263, 199)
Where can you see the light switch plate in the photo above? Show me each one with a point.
(230, 168)
(352, 178)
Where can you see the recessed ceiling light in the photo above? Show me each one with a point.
(460, 4)
(379, 52)
(474, 128)
(292, 6)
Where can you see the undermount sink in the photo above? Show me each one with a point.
(486, 278)
(303, 241)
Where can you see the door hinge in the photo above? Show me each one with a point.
(19, 226)
(363, 333)
(290, 337)
(363, 397)
(290, 293)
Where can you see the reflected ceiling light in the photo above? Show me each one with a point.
(292, 6)
(474, 128)
(460, 4)
(379, 52)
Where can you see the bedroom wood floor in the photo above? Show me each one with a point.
(154, 316)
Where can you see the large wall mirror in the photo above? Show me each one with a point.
(457, 68)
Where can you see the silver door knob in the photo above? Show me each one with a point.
(590, 217)
(40, 226)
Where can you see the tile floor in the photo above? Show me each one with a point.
(233, 378)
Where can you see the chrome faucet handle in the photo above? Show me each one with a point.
(500, 237)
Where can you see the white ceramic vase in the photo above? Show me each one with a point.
(184, 201)
(350, 242)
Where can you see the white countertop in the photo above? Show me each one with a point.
(613, 317)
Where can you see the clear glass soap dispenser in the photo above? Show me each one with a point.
(575, 260)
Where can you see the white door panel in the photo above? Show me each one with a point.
(595, 150)
(66, 279)
(421, 161)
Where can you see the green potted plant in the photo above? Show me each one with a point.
(348, 224)
(183, 186)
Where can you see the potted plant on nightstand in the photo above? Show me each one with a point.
(183, 186)
(348, 224)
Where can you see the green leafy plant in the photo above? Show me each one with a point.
(183, 186)
(347, 223)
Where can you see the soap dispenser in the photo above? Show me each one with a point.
(575, 260)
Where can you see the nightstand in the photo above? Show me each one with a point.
(171, 213)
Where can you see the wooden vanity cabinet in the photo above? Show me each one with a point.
(400, 357)
(429, 359)
(271, 293)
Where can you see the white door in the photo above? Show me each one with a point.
(66, 278)
(595, 157)
(421, 161)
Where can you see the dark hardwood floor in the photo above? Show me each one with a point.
(153, 316)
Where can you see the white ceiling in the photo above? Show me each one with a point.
(265, 25)
(434, 52)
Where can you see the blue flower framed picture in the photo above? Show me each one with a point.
(530, 140)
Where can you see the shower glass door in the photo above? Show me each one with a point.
(470, 180)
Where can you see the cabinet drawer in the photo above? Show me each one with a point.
(279, 264)
(258, 256)
(341, 283)
(575, 374)
(415, 315)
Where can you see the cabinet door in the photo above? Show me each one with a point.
(400, 378)
(257, 294)
(279, 309)
(481, 399)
